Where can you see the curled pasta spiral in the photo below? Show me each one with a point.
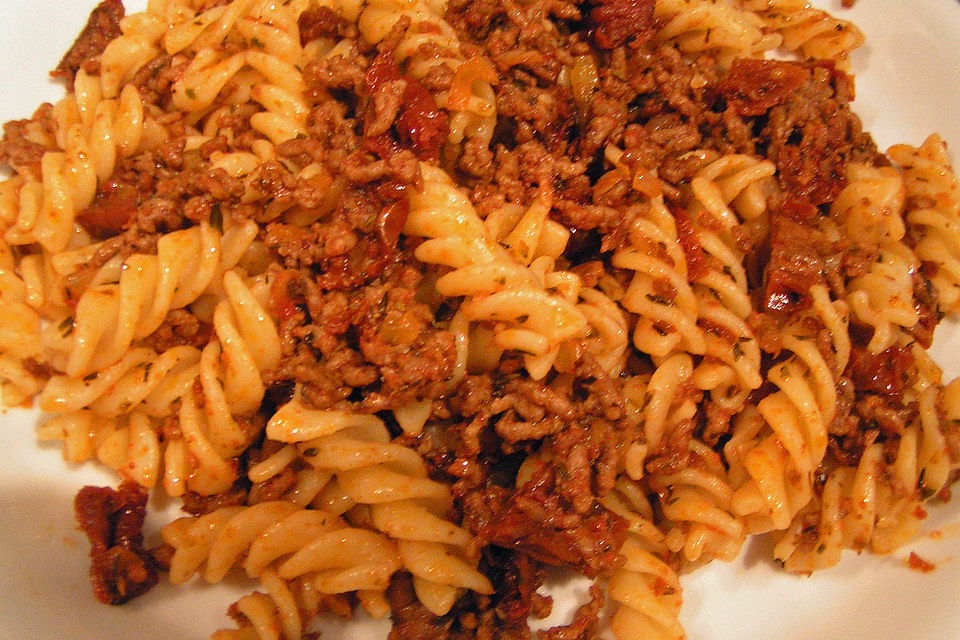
(431, 42)
(934, 197)
(877, 503)
(283, 546)
(697, 500)
(131, 448)
(20, 331)
(665, 322)
(664, 399)
(776, 447)
(225, 376)
(809, 31)
(390, 479)
(721, 194)
(110, 317)
(526, 315)
(645, 589)
(712, 25)
(92, 136)
(870, 207)
(883, 298)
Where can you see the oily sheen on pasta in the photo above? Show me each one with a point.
(406, 301)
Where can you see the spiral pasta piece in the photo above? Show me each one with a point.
(883, 297)
(776, 447)
(498, 290)
(714, 26)
(932, 217)
(808, 31)
(391, 480)
(283, 546)
(428, 43)
(659, 293)
(110, 317)
(722, 194)
(879, 502)
(645, 589)
(697, 499)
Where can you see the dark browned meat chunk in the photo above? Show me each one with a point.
(102, 27)
(795, 263)
(754, 86)
(621, 20)
(886, 373)
(120, 568)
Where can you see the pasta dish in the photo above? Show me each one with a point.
(407, 301)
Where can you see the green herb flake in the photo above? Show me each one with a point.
(66, 326)
(216, 218)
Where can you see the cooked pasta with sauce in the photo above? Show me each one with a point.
(407, 301)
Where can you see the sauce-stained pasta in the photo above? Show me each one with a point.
(407, 300)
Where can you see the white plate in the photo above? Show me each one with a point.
(907, 85)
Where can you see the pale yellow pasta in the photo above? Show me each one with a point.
(390, 480)
(697, 502)
(775, 449)
(932, 215)
(498, 290)
(645, 589)
(712, 26)
(810, 32)
(658, 262)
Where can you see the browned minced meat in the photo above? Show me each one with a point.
(926, 304)
(536, 521)
(120, 568)
(887, 373)
(102, 27)
(198, 505)
(179, 327)
(813, 133)
(795, 262)
(376, 344)
(319, 21)
(17, 149)
(502, 616)
(620, 21)
(585, 620)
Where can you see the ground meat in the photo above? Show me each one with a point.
(887, 373)
(376, 345)
(102, 27)
(753, 87)
(535, 521)
(112, 520)
(317, 22)
(21, 146)
(887, 414)
(795, 262)
(584, 623)
(198, 505)
(813, 133)
(180, 327)
(928, 310)
(502, 616)
(618, 21)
